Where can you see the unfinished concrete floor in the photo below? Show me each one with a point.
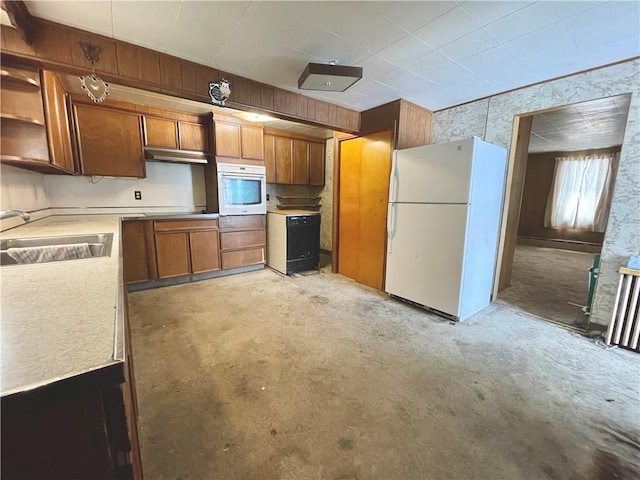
(550, 283)
(259, 376)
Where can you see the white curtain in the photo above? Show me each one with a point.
(579, 197)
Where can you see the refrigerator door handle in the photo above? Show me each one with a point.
(396, 178)
(391, 225)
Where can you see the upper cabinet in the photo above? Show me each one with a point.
(238, 142)
(168, 132)
(58, 122)
(35, 132)
(193, 136)
(293, 159)
(410, 123)
(316, 163)
(251, 142)
(227, 140)
(160, 132)
(109, 141)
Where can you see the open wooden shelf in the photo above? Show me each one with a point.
(16, 79)
(17, 118)
(16, 158)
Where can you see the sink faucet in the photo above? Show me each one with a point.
(15, 213)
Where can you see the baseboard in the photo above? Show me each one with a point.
(560, 244)
(168, 282)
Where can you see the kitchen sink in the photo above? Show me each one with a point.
(99, 245)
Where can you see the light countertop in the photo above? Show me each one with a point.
(171, 216)
(291, 213)
(65, 319)
(61, 319)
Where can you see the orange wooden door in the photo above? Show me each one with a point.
(349, 210)
(365, 165)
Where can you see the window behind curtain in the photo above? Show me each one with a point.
(579, 197)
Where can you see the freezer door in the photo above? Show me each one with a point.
(439, 173)
(425, 253)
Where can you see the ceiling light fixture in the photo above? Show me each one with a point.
(329, 77)
(253, 117)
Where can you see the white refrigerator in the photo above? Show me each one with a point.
(445, 203)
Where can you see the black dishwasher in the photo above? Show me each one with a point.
(303, 243)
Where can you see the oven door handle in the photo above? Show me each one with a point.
(243, 175)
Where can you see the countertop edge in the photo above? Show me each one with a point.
(107, 373)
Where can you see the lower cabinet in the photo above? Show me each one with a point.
(172, 251)
(243, 241)
(186, 247)
(135, 255)
(162, 249)
(205, 253)
(75, 429)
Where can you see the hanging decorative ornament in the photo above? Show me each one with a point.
(220, 92)
(95, 88)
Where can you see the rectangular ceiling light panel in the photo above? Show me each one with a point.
(328, 78)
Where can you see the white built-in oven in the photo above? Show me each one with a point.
(241, 189)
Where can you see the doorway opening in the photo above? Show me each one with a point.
(565, 164)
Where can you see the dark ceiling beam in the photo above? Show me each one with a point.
(20, 18)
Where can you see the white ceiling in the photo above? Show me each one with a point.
(582, 126)
(165, 102)
(435, 54)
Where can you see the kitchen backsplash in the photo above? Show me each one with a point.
(22, 189)
(166, 185)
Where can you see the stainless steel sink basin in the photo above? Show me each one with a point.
(99, 244)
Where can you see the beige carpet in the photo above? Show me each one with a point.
(547, 281)
(265, 377)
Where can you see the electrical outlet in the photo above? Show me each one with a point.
(137, 195)
(267, 197)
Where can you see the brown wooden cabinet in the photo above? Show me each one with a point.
(160, 132)
(270, 158)
(251, 142)
(205, 252)
(242, 241)
(135, 247)
(77, 428)
(172, 252)
(316, 163)
(58, 122)
(186, 247)
(300, 162)
(293, 159)
(109, 141)
(227, 140)
(35, 127)
(238, 142)
(410, 123)
(284, 160)
(193, 136)
(164, 249)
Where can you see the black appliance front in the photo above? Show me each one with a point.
(303, 243)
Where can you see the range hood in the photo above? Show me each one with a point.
(175, 156)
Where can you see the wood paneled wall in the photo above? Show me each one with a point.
(410, 123)
(537, 185)
(57, 47)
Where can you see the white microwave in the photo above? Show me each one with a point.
(242, 189)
